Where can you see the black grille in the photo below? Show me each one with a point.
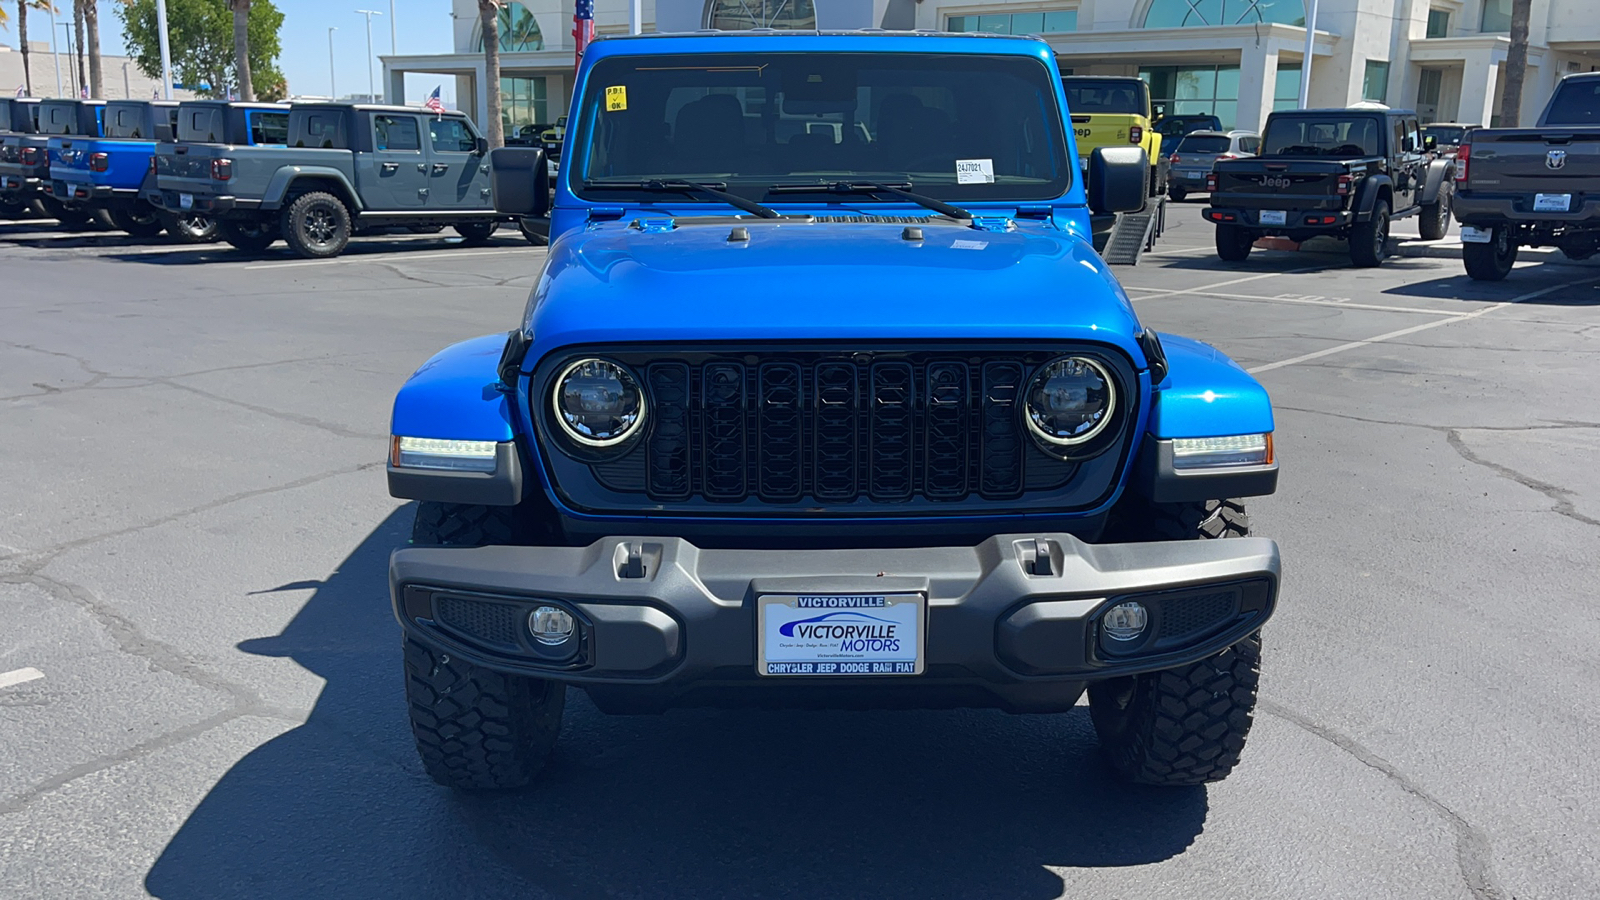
(1184, 617)
(837, 428)
(495, 623)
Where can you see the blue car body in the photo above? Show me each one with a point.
(107, 171)
(747, 339)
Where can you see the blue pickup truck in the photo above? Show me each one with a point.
(106, 174)
(25, 157)
(823, 398)
(18, 116)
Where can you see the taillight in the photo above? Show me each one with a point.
(1228, 156)
(1344, 185)
(1173, 159)
(152, 164)
(1136, 134)
(1462, 155)
(30, 156)
(221, 169)
(99, 162)
(1211, 181)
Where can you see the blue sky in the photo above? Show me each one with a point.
(422, 26)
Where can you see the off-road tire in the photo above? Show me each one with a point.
(1233, 243)
(188, 228)
(476, 232)
(1182, 726)
(144, 223)
(251, 236)
(1491, 261)
(316, 225)
(1433, 220)
(1369, 240)
(70, 217)
(1176, 194)
(476, 729)
(535, 236)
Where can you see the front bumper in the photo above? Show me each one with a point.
(1012, 622)
(1487, 210)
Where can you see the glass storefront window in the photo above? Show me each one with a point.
(1194, 90)
(517, 28)
(523, 106)
(1496, 16)
(1375, 83)
(1055, 21)
(742, 15)
(1200, 13)
(1286, 90)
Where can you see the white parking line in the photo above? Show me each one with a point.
(1378, 339)
(450, 254)
(1309, 301)
(20, 676)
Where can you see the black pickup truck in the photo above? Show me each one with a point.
(1345, 173)
(1532, 187)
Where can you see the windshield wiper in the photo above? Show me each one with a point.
(679, 186)
(872, 187)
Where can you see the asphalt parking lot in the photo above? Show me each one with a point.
(199, 673)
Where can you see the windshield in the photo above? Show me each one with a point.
(1321, 136)
(954, 127)
(1577, 102)
(1202, 143)
(1106, 95)
(1444, 134)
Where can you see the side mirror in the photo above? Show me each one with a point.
(481, 147)
(1430, 143)
(520, 182)
(1119, 179)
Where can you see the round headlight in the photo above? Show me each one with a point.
(598, 403)
(1070, 401)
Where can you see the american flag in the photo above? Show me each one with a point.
(83, 92)
(433, 102)
(582, 28)
(19, 90)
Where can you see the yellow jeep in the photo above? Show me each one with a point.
(1113, 111)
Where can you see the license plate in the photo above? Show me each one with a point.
(186, 201)
(1274, 216)
(1552, 202)
(1194, 175)
(1472, 235)
(840, 634)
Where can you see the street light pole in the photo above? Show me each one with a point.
(333, 90)
(127, 92)
(166, 50)
(372, 89)
(55, 48)
(70, 70)
(1305, 61)
(394, 43)
(635, 16)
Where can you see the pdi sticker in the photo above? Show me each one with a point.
(974, 171)
(617, 98)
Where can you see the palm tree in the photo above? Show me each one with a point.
(1516, 64)
(91, 21)
(489, 13)
(22, 35)
(77, 21)
(241, 47)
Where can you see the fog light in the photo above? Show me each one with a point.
(1125, 621)
(551, 625)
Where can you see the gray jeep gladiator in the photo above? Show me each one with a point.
(1345, 173)
(340, 169)
(1532, 187)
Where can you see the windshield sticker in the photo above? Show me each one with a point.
(617, 98)
(974, 171)
(969, 245)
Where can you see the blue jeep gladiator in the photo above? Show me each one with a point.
(108, 173)
(823, 398)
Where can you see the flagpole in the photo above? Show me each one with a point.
(55, 48)
(166, 50)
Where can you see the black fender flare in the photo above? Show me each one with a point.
(1441, 176)
(1367, 195)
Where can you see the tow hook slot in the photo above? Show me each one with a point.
(636, 559)
(1038, 556)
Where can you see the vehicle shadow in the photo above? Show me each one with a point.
(694, 804)
(362, 245)
(1555, 274)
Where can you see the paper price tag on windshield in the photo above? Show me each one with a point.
(974, 171)
(617, 98)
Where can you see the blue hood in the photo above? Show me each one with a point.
(827, 281)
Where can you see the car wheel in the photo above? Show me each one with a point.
(142, 223)
(1186, 725)
(1369, 240)
(1491, 261)
(476, 232)
(68, 216)
(1434, 218)
(188, 228)
(250, 235)
(316, 225)
(475, 729)
(1233, 243)
(1177, 194)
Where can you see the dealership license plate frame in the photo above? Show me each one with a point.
(901, 606)
(1274, 217)
(186, 201)
(1552, 203)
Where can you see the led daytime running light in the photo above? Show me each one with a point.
(441, 453)
(1231, 450)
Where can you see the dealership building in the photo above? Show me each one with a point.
(1237, 59)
